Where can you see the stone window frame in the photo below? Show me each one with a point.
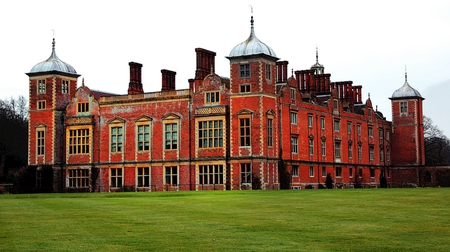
(41, 105)
(144, 122)
(143, 177)
(171, 175)
(41, 86)
(173, 142)
(294, 144)
(212, 97)
(65, 84)
(79, 140)
(116, 174)
(211, 174)
(246, 173)
(40, 140)
(244, 70)
(79, 178)
(214, 137)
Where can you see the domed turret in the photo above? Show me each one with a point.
(406, 90)
(252, 46)
(318, 68)
(53, 63)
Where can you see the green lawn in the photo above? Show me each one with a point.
(308, 220)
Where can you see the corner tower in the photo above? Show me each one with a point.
(52, 84)
(407, 127)
(253, 106)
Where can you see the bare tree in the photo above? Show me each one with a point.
(437, 145)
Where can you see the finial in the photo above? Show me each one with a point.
(292, 72)
(82, 82)
(317, 55)
(53, 43)
(251, 20)
(212, 69)
(406, 75)
(369, 95)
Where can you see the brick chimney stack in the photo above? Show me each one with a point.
(282, 71)
(205, 62)
(135, 85)
(168, 80)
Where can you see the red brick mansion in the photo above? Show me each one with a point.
(262, 128)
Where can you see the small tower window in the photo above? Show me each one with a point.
(41, 86)
(244, 70)
(65, 87)
(403, 107)
(268, 72)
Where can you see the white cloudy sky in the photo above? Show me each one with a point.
(368, 42)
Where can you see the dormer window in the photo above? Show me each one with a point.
(83, 107)
(212, 97)
(244, 70)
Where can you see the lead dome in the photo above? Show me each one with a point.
(53, 63)
(406, 90)
(252, 46)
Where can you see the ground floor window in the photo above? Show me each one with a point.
(115, 177)
(350, 172)
(210, 174)
(372, 173)
(143, 177)
(311, 171)
(295, 170)
(246, 173)
(171, 173)
(79, 178)
(338, 172)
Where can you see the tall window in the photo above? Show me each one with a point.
(381, 134)
(311, 171)
(115, 177)
(349, 127)
(387, 134)
(324, 171)
(41, 86)
(293, 118)
(143, 177)
(40, 141)
(83, 107)
(294, 144)
(268, 72)
(337, 125)
(244, 132)
(322, 123)
(338, 172)
(246, 173)
(210, 174)
(210, 134)
(358, 127)
(65, 87)
(292, 94)
(295, 170)
(350, 150)
(371, 153)
(372, 173)
(370, 131)
(359, 152)
(116, 139)
(171, 136)
(41, 105)
(244, 70)
(350, 172)
(310, 121)
(324, 149)
(381, 155)
(171, 174)
(79, 178)
(143, 137)
(311, 146)
(269, 132)
(403, 107)
(79, 141)
(337, 149)
(212, 97)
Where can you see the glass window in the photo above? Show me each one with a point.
(212, 97)
(311, 146)
(244, 70)
(116, 139)
(403, 107)
(350, 151)
(338, 172)
(115, 177)
(370, 131)
(246, 173)
(322, 123)
(359, 152)
(268, 72)
(79, 141)
(143, 137)
(293, 118)
(295, 170)
(349, 127)
(323, 148)
(171, 175)
(245, 88)
(350, 172)
(311, 171)
(292, 94)
(210, 174)
(40, 141)
(337, 125)
(210, 134)
(372, 173)
(65, 87)
(79, 178)
(244, 132)
(171, 136)
(371, 152)
(41, 86)
(324, 171)
(83, 107)
(310, 121)
(359, 129)
(269, 132)
(143, 177)
(337, 149)
(41, 105)
(294, 144)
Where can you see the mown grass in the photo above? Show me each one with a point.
(308, 220)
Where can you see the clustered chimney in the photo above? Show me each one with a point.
(168, 80)
(135, 85)
(205, 63)
(282, 71)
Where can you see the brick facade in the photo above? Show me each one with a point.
(247, 131)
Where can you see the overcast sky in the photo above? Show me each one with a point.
(368, 42)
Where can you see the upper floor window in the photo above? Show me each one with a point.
(381, 134)
(244, 70)
(210, 134)
(268, 72)
(143, 136)
(79, 141)
(371, 157)
(350, 150)
(359, 152)
(370, 129)
(322, 123)
(335, 104)
(65, 87)
(41, 105)
(403, 107)
(349, 127)
(293, 118)
(387, 134)
(310, 121)
(171, 136)
(244, 88)
(40, 141)
(294, 144)
(324, 148)
(269, 132)
(41, 86)
(244, 132)
(337, 149)
(83, 107)
(337, 125)
(212, 97)
(292, 93)
(311, 146)
(358, 128)
(116, 138)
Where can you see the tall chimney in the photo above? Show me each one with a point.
(205, 63)
(135, 85)
(282, 71)
(168, 80)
